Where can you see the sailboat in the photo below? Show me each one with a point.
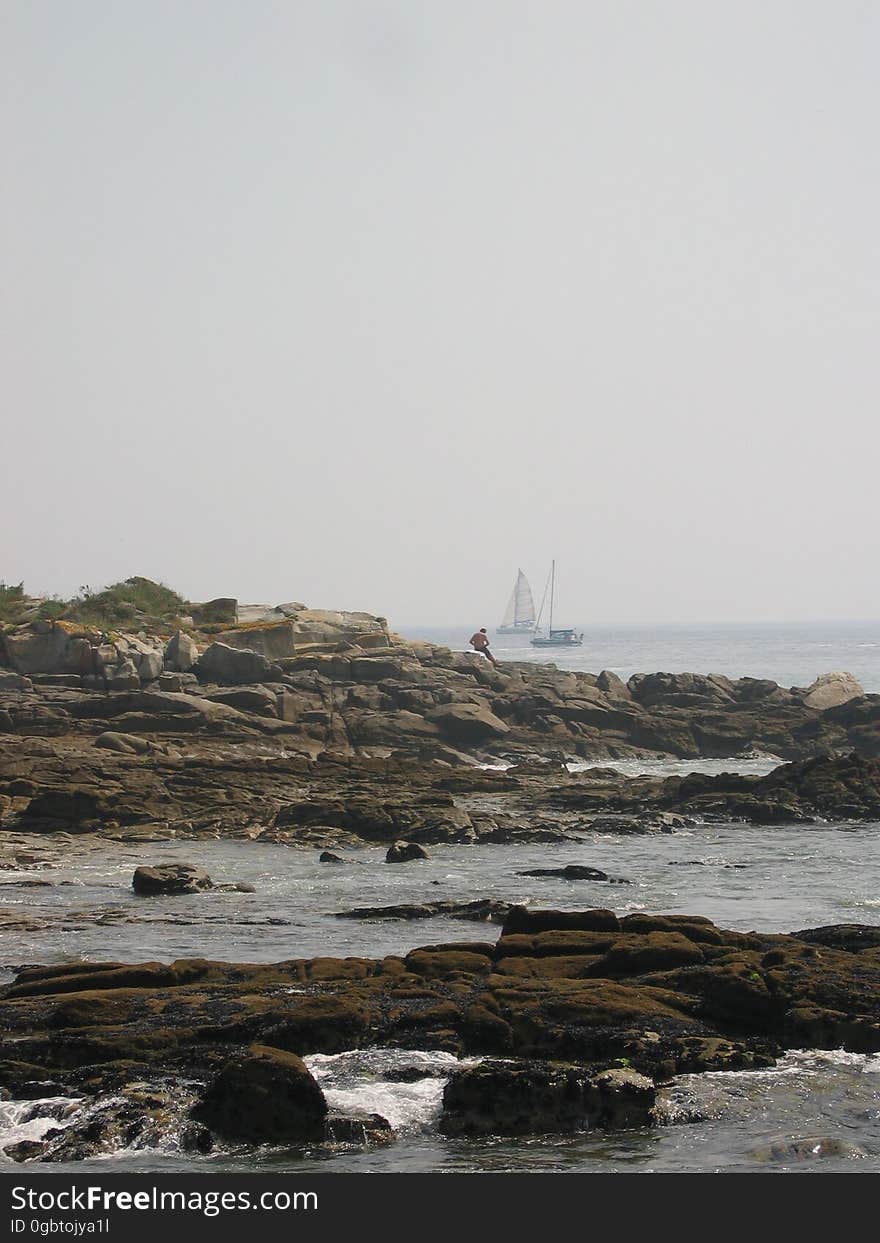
(519, 617)
(555, 638)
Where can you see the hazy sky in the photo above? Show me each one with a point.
(368, 302)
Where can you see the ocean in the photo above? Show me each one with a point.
(792, 654)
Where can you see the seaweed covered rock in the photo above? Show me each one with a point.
(264, 1096)
(533, 1098)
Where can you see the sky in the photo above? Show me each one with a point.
(367, 303)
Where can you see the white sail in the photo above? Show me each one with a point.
(520, 611)
(524, 606)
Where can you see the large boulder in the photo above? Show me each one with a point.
(48, 647)
(274, 640)
(167, 878)
(231, 666)
(533, 1098)
(830, 691)
(181, 653)
(264, 1096)
(467, 723)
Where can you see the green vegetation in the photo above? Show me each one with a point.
(124, 603)
(11, 602)
(134, 601)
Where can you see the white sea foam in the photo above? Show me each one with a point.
(30, 1120)
(356, 1082)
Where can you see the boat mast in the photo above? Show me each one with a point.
(552, 586)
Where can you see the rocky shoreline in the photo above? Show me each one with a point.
(327, 732)
(576, 1017)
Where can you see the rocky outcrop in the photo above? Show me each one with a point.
(571, 1008)
(344, 682)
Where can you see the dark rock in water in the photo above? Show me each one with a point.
(479, 910)
(852, 937)
(26, 1150)
(575, 871)
(358, 1130)
(195, 1137)
(412, 1074)
(327, 856)
(168, 878)
(809, 1149)
(264, 1096)
(534, 1098)
(521, 919)
(403, 852)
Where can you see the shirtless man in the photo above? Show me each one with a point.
(480, 643)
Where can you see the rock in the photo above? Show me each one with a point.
(521, 919)
(181, 653)
(25, 1150)
(258, 700)
(170, 878)
(785, 1151)
(573, 871)
(10, 681)
(612, 685)
(359, 1130)
(480, 910)
(404, 852)
(127, 744)
(533, 1098)
(830, 691)
(327, 856)
(467, 723)
(149, 666)
(264, 1096)
(274, 640)
(231, 666)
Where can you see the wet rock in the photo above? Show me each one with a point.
(170, 878)
(26, 1150)
(521, 919)
(533, 1098)
(480, 910)
(575, 871)
(264, 1096)
(814, 1148)
(358, 1130)
(405, 852)
(327, 856)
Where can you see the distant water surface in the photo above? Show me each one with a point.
(790, 654)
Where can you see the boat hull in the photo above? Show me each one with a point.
(557, 642)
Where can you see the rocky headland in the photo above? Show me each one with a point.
(325, 726)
